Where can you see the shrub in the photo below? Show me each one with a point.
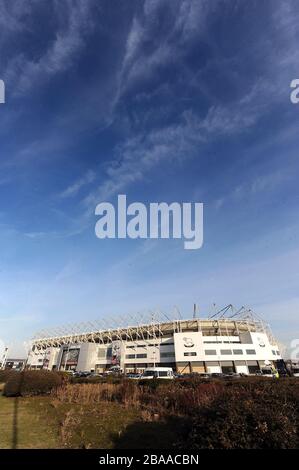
(247, 413)
(252, 415)
(5, 374)
(13, 385)
(32, 382)
(85, 393)
(157, 396)
(87, 380)
(113, 379)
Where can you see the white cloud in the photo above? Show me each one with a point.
(177, 142)
(187, 22)
(183, 139)
(12, 16)
(74, 188)
(141, 154)
(76, 21)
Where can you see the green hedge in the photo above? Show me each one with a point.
(32, 382)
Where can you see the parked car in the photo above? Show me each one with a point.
(232, 375)
(217, 375)
(177, 375)
(116, 370)
(95, 374)
(190, 375)
(133, 376)
(82, 374)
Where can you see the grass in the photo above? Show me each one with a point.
(43, 422)
(98, 426)
(27, 423)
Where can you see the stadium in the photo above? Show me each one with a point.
(228, 341)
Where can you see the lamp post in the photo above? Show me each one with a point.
(4, 358)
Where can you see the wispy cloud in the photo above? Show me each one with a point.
(186, 21)
(177, 142)
(180, 84)
(183, 139)
(74, 188)
(12, 17)
(75, 21)
(140, 154)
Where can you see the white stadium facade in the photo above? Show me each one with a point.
(227, 341)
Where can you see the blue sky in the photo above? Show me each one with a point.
(163, 101)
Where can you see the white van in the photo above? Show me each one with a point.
(158, 373)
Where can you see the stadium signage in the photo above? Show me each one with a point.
(188, 342)
(159, 220)
(262, 343)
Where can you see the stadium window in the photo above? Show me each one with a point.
(250, 351)
(167, 354)
(109, 352)
(273, 352)
(130, 356)
(237, 351)
(226, 352)
(190, 354)
(210, 352)
(141, 356)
